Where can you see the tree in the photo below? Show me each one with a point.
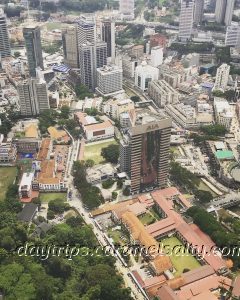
(58, 206)
(230, 95)
(218, 93)
(114, 195)
(89, 163)
(111, 153)
(17, 54)
(108, 183)
(135, 98)
(50, 215)
(75, 221)
(82, 92)
(204, 196)
(65, 112)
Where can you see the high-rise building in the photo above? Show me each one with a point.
(144, 74)
(70, 46)
(198, 11)
(108, 36)
(33, 97)
(186, 20)
(126, 8)
(109, 80)
(91, 57)
(222, 75)
(220, 10)
(5, 50)
(229, 12)
(232, 37)
(156, 56)
(144, 149)
(32, 37)
(86, 29)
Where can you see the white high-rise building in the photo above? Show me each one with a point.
(33, 97)
(5, 50)
(86, 29)
(144, 74)
(186, 20)
(156, 56)
(220, 10)
(232, 37)
(229, 12)
(126, 8)
(70, 46)
(198, 11)
(222, 75)
(109, 80)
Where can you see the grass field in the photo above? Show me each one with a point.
(7, 176)
(46, 197)
(204, 187)
(179, 261)
(93, 151)
(55, 25)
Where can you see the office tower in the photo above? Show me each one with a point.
(5, 50)
(108, 36)
(220, 10)
(156, 56)
(147, 142)
(198, 11)
(33, 97)
(32, 37)
(232, 37)
(229, 12)
(86, 29)
(109, 80)
(70, 46)
(126, 8)
(186, 20)
(222, 75)
(91, 57)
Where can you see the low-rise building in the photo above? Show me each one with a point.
(8, 151)
(162, 93)
(99, 173)
(25, 186)
(144, 74)
(114, 107)
(223, 112)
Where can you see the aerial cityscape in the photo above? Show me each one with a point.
(120, 149)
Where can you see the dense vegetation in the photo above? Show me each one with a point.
(111, 153)
(211, 132)
(84, 277)
(91, 195)
(192, 47)
(216, 231)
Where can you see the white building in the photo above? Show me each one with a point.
(232, 37)
(126, 8)
(109, 80)
(229, 12)
(162, 93)
(220, 10)
(144, 74)
(222, 75)
(223, 112)
(186, 20)
(8, 151)
(156, 56)
(114, 107)
(99, 173)
(25, 187)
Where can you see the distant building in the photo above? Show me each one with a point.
(224, 11)
(126, 8)
(229, 12)
(156, 56)
(147, 144)
(109, 80)
(162, 93)
(186, 20)
(32, 37)
(232, 37)
(144, 74)
(198, 11)
(33, 97)
(158, 40)
(8, 151)
(86, 28)
(223, 112)
(5, 50)
(129, 65)
(108, 36)
(70, 46)
(222, 75)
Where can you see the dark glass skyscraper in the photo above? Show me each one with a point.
(5, 50)
(32, 37)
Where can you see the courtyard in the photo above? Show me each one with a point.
(46, 197)
(93, 150)
(179, 259)
(7, 175)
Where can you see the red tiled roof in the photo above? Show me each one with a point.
(165, 292)
(236, 287)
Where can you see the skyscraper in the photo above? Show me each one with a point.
(198, 11)
(33, 96)
(147, 142)
(232, 37)
(32, 36)
(5, 50)
(108, 36)
(186, 20)
(229, 12)
(222, 75)
(220, 10)
(86, 29)
(70, 46)
(126, 8)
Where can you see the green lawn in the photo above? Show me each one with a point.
(46, 197)
(55, 25)
(204, 187)
(116, 235)
(149, 217)
(7, 177)
(179, 261)
(93, 152)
